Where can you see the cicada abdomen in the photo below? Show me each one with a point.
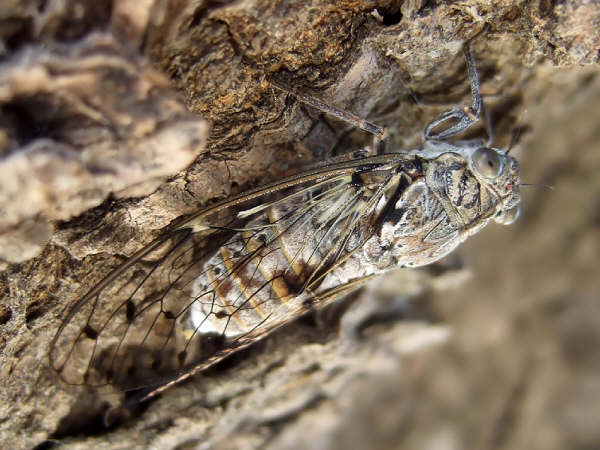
(293, 251)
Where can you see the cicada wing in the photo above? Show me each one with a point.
(137, 319)
(128, 320)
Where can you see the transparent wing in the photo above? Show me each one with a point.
(217, 278)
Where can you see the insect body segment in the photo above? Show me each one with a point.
(250, 264)
(286, 256)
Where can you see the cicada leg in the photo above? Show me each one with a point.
(380, 134)
(460, 119)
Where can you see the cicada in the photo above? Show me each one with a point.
(240, 269)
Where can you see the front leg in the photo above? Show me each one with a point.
(460, 118)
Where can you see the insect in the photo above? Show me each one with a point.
(240, 269)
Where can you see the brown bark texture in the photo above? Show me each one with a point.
(117, 117)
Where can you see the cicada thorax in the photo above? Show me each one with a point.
(460, 190)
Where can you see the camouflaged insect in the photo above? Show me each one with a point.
(244, 267)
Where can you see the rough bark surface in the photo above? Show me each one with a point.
(104, 113)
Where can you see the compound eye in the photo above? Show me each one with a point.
(488, 162)
(509, 216)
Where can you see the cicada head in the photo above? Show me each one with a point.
(475, 183)
(500, 173)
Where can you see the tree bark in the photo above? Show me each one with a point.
(105, 110)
